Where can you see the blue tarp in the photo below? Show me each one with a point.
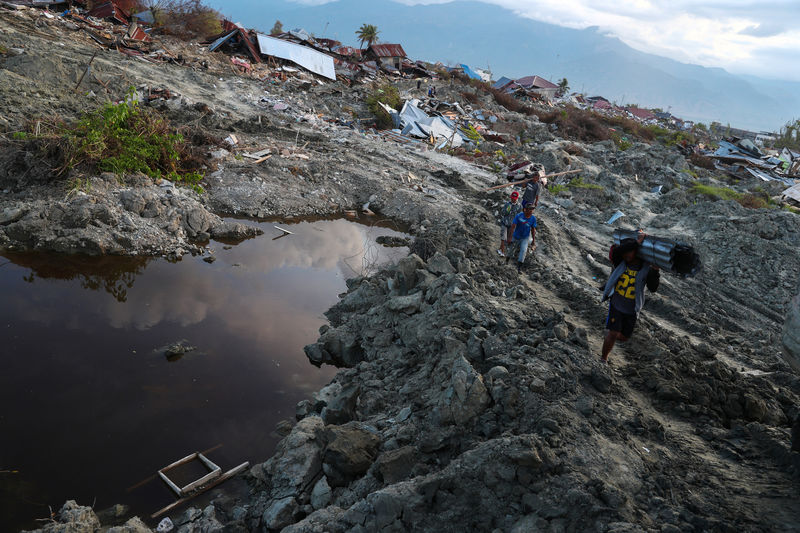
(468, 71)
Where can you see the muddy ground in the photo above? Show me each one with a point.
(470, 396)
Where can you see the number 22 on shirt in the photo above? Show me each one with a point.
(626, 285)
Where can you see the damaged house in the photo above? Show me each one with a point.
(386, 55)
(528, 86)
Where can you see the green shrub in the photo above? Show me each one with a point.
(123, 138)
(386, 94)
(621, 142)
(717, 193)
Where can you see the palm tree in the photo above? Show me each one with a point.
(563, 87)
(367, 33)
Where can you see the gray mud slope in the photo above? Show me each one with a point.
(469, 397)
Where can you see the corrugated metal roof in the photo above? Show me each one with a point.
(535, 82)
(348, 51)
(110, 10)
(387, 50)
(638, 112)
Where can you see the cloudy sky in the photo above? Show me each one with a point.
(743, 36)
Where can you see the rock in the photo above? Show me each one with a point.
(585, 405)
(601, 380)
(466, 397)
(197, 220)
(234, 231)
(11, 214)
(754, 408)
(405, 304)
(668, 392)
(280, 513)
(550, 425)
(439, 264)
(406, 276)
(321, 494)
(396, 465)
(342, 408)
(72, 518)
(404, 414)
(113, 513)
(297, 460)
(580, 337)
(529, 523)
(134, 525)
(561, 332)
(350, 452)
(497, 372)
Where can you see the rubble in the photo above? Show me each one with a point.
(468, 397)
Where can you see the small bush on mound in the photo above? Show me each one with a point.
(472, 98)
(574, 149)
(716, 193)
(388, 95)
(122, 138)
(578, 183)
(577, 124)
(750, 201)
(701, 161)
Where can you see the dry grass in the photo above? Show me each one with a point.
(701, 161)
(472, 98)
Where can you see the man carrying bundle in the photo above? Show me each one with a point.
(625, 289)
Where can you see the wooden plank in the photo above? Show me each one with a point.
(176, 489)
(180, 462)
(286, 231)
(262, 159)
(529, 179)
(224, 477)
(200, 482)
(154, 476)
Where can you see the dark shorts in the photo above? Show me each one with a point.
(619, 321)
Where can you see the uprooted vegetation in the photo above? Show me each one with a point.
(387, 94)
(122, 138)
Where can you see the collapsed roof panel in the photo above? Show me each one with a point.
(387, 50)
(306, 57)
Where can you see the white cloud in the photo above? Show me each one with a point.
(744, 36)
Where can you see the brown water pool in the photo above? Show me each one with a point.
(89, 406)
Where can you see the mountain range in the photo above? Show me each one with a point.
(486, 35)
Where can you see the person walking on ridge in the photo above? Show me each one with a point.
(508, 213)
(625, 290)
(523, 231)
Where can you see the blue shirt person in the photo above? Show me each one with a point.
(524, 232)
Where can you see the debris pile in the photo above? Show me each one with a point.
(741, 158)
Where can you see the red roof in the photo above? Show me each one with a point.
(535, 82)
(110, 10)
(387, 50)
(602, 104)
(348, 51)
(638, 112)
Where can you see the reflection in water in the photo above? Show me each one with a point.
(115, 275)
(88, 406)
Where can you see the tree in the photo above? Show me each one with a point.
(277, 28)
(563, 87)
(367, 33)
(789, 136)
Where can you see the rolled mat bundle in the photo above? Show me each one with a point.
(675, 257)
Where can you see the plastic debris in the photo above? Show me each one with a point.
(165, 525)
(616, 216)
